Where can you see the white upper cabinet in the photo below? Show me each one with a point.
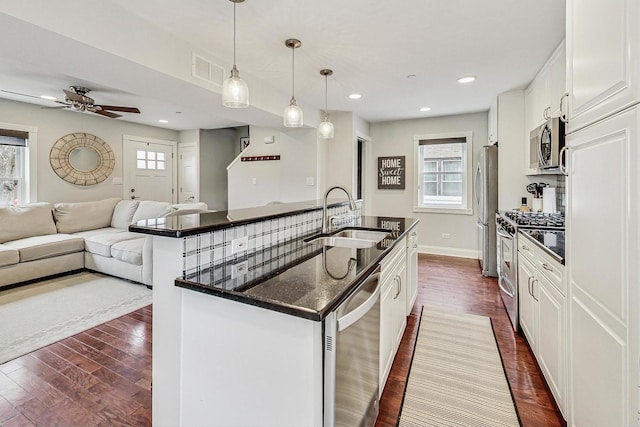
(603, 64)
(543, 96)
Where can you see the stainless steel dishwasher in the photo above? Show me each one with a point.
(351, 358)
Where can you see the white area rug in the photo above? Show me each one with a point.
(40, 314)
(456, 376)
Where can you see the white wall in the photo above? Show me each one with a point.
(281, 180)
(217, 150)
(53, 124)
(395, 138)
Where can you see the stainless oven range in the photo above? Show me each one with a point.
(507, 225)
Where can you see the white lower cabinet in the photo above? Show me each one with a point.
(412, 270)
(543, 314)
(393, 306)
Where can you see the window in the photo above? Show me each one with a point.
(443, 165)
(13, 167)
(156, 160)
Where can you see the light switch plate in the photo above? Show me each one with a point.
(310, 180)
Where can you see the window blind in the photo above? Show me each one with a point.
(461, 140)
(15, 138)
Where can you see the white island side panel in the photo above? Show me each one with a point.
(244, 365)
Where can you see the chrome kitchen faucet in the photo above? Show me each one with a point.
(352, 205)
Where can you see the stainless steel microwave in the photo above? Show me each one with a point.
(546, 141)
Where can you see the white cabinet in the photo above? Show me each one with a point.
(492, 137)
(603, 235)
(603, 65)
(412, 270)
(543, 97)
(393, 304)
(509, 121)
(542, 303)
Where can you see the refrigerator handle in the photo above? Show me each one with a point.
(476, 186)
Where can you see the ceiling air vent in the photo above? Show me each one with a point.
(206, 70)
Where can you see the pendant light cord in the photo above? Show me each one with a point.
(234, 35)
(326, 111)
(293, 73)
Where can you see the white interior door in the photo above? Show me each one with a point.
(149, 170)
(188, 191)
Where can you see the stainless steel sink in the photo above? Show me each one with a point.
(362, 234)
(350, 239)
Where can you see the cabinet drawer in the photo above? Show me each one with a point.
(526, 248)
(543, 262)
(397, 256)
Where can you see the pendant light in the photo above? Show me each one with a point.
(293, 113)
(325, 129)
(235, 93)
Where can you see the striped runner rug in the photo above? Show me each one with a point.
(456, 376)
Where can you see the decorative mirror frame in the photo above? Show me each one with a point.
(61, 150)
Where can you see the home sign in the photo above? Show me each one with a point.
(391, 173)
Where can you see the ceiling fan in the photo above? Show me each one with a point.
(77, 99)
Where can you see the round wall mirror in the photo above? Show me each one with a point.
(82, 159)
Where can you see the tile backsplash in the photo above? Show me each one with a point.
(203, 251)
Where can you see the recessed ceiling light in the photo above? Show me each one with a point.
(48, 98)
(411, 76)
(355, 96)
(466, 79)
(163, 121)
(425, 109)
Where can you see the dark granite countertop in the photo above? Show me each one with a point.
(191, 224)
(300, 279)
(551, 241)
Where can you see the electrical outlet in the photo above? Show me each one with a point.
(310, 180)
(239, 269)
(239, 245)
(446, 235)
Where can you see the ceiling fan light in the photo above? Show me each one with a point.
(235, 92)
(293, 115)
(325, 129)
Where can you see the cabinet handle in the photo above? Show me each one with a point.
(547, 266)
(564, 170)
(545, 113)
(533, 293)
(414, 234)
(395, 279)
(529, 285)
(415, 245)
(563, 115)
(525, 247)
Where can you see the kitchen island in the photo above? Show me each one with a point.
(238, 331)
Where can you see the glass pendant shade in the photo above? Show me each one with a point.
(235, 92)
(325, 129)
(293, 115)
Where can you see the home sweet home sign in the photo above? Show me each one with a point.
(391, 173)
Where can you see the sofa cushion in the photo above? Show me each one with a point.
(74, 217)
(123, 213)
(101, 244)
(129, 251)
(91, 233)
(8, 256)
(19, 222)
(48, 246)
(149, 209)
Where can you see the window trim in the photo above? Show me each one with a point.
(468, 209)
(31, 164)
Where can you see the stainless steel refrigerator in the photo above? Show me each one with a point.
(485, 196)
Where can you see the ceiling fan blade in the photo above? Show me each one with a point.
(18, 93)
(116, 108)
(107, 113)
(54, 108)
(75, 97)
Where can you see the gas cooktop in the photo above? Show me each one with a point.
(549, 221)
(553, 221)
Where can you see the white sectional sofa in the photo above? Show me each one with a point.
(40, 239)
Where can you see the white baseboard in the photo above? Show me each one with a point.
(442, 250)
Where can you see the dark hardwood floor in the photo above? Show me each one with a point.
(102, 377)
